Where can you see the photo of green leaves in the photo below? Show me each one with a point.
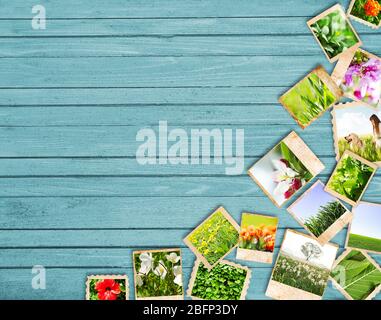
(357, 275)
(215, 237)
(351, 177)
(334, 32)
(226, 281)
(158, 273)
(310, 98)
(367, 10)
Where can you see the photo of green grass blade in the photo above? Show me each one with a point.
(350, 178)
(368, 151)
(308, 99)
(364, 242)
(326, 216)
(215, 237)
(357, 275)
(301, 275)
(334, 33)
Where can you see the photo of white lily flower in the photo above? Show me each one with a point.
(158, 273)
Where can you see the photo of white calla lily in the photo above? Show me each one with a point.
(139, 280)
(158, 273)
(178, 275)
(160, 270)
(146, 262)
(173, 257)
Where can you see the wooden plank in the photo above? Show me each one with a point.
(70, 167)
(122, 212)
(165, 8)
(63, 283)
(155, 71)
(139, 96)
(114, 46)
(286, 26)
(96, 141)
(177, 186)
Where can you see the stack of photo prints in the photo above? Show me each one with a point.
(305, 261)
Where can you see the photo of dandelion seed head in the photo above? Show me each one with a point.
(357, 129)
(215, 237)
(317, 210)
(281, 173)
(357, 275)
(303, 263)
(158, 273)
(257, 232)
(107, 288)
(308, 99)
(365, 229)
(362, 80)
(350, 178)
(367, 10)
(223, 282)
(334, 32)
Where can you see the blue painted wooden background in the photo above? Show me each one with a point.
(73, 96)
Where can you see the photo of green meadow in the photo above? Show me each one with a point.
(365, 231)
(356, 126)
(303, 263)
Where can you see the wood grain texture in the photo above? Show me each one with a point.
(72, 98)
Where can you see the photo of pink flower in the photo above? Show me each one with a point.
(362, 79)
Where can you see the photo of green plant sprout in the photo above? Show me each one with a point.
(107, 287)
(214, 238)
(320, 213)
(356, 275)
(303, 264)
(365, 232)
(368, 11)
(311, 97)
(351, 177)
(158, 273)
(355, 129)
(334, 32)
(226, 281)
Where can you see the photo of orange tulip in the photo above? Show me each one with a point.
(258, 232)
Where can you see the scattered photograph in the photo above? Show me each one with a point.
(320, 213)
(302, 269)
(350, 178)
(226, 281)
(311, 97)
(358, 73)
(334, 32)
(214, 238)
(365, 229)
(158, 274)
(283, 171)
(367, 12)
(356, 275)
(257, 238)
(107, 287)
(356, 127)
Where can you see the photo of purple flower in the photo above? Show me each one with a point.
(362, 80)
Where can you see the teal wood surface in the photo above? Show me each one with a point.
(73, 197)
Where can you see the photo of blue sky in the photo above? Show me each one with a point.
(367, 220)
(311, 201)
